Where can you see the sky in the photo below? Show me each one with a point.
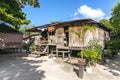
(67, 10)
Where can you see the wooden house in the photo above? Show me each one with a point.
(58, 34)
(9, 37)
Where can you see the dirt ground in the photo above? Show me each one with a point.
(17, 67)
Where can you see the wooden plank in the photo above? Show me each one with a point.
(74, 41)
(60, 37)
(81, 71)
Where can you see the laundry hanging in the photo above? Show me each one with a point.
(41, 29)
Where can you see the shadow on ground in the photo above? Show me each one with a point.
(75, 67)
(18, 68)
(113, 65)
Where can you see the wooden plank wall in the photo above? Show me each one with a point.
(87, 37)
(74, 40)
(10, 40)
(98, 34)
(60, 36)
(101, 37)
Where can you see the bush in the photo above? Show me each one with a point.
(108, 51)
(33, 47)
(113, 44)
(93, 51)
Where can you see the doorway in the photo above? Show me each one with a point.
(66, 35)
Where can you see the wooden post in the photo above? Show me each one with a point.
(63, 55)
(81, 69)
(69, 55)
(81, 63)
(57, 53)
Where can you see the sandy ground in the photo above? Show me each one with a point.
(16, 67)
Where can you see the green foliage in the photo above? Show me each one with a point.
(106, 22)
(33, 47)
(88, 27)
(113, 44)
(83, 30)
(108, 51)
(115, 19)
(23, 28)
(92, 54)
(76, 33)
(93, 51)
(11, 11)
(33, 3)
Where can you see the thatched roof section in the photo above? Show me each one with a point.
(81, 21)
(7, 29)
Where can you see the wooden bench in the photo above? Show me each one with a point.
(62, 51)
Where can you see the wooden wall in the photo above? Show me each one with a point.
(103, 35)
(99, 34)
(60, 36)
(74, 41)
(10, 40)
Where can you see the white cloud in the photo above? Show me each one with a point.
(89, 12)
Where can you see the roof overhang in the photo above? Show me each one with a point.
(83, 21)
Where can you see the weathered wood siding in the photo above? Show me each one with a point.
(102, 36)
(60, 36)
(88, 35)
(99, 34)
(74, 40)
(10, 40)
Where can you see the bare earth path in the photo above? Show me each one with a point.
(43, 68)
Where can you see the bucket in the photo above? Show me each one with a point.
(88, 69)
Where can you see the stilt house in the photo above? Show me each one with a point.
(58, 33)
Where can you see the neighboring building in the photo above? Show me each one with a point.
(9, 37)
(56, 33)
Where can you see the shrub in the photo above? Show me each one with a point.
(33, 47)
(93, 51)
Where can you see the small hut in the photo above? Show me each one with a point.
(9, 37)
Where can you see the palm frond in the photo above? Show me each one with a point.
(90, 28)
(76, 33)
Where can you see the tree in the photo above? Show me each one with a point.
(106, 22)
(115, 19)
(23, 28)
(11, 11)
